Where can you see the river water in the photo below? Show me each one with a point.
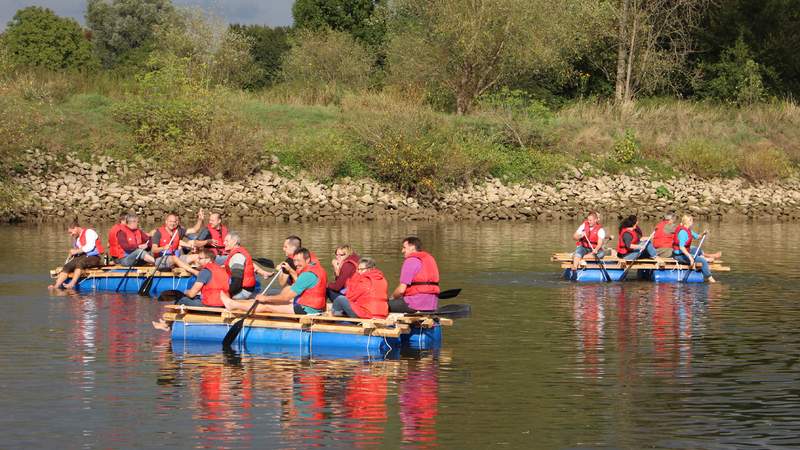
(542, 362)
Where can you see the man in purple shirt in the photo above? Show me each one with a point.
(420, 271)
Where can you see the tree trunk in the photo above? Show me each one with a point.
(622, 53)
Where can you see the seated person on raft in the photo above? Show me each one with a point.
(589, 237)
(211, 236)
(682, 249)
(305, 296)
(290, 246)
(365, 293)
(345, 262)
(418, 289)
(630, 246)
(665, 233)
(84, 254)
(130, 246)
(167, 242)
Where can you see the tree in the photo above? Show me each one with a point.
(269, 45)
(350, 16)
(121, 27)
(327, 57)
(37, 37)
(468, 47)
(653, 40)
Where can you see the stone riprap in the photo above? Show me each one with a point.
(59, 191)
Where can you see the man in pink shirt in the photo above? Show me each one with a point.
(419, 280)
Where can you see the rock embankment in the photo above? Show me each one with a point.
(101, 190)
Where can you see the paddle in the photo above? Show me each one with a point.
(236, 328)
(606, 276)
(691, 266)
(125, 277)
(144, 290)
(450, 293)
(447, 310)
(264, 262)
(638, 254)
(170, 295)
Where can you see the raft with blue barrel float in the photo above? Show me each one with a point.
(669, 271)
(305, 333)
(113, 279)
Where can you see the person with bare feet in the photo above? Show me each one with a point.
(84, 254)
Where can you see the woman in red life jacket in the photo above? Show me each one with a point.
(418, 289)
(589, 237)
(130, 246)
(344, 264)
(630, 245)
(305, 296)
(682, 249)
(84, 254)
(365, 294)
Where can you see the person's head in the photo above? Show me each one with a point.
(687, 221)
(669, 217)
(343, 251)
(74, 228)
(365, 264)
(132, 221)
(628, 222)
(215, 219)
(593, 217)
(231, 241)
(291, 244)
(171, 221)
(122, 217)
(205, 256)
(301, 258)
(411, 244)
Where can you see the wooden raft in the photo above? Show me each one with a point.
(390, 327)
(136, 271)
(612, 262)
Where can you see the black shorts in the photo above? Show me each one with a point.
(81, 262)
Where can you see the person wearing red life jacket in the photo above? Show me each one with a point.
(290, 245)
(630, 245)
(418, 289)
(210, 236)
(84, 254)
(590, 238)
(305, 296)
(344, 265)
(662, 239)
(167, 242)
(365, 293)
(682, 249)
(130, 246)
(240, 267)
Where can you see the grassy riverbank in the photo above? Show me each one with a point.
(332, 133)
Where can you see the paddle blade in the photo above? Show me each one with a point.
(450, 293)
(452, 310)
(264, 262)
(144, 289)
(231, 335)
(171, 295)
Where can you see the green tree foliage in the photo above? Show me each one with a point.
(268, 48)
(351, 16)
(122, 29)
(37, 37)
(467, 47)
(327, 57)
(735, 78)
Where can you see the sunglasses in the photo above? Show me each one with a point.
(361, 269)
(341, 254)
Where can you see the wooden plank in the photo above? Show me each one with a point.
(713, 266)
(304, 318)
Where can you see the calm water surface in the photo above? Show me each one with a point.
(542, 363)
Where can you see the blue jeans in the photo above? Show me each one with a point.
(132, 258)
(341, 307)
(648, 252)
(197, 301)
(244, 294)
(582, 251)
(681, 258)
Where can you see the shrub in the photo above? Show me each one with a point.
(764, 162)
(324, 156)
(519, 165)
(325, 58)
(626, 149)
(735, 78)
(705, 159)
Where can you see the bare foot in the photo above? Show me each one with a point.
(711, 280)
(69, 286)
(161, 325)
(52, 287)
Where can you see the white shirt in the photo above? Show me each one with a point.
(91, 238)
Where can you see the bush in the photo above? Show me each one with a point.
(764, 162)
(626, 149)
(519, 165)
(269, 45)
(705, 159)
(324, 156)
(325, 58)
(735, 78)
(37, 37)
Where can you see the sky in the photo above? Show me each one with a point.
(262, 12)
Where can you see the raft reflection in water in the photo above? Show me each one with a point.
(654, 323)
(294, 400)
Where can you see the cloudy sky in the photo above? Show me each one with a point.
(265, 12)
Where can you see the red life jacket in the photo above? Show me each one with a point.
(675, 244)
(249, 280)
(314, 297)
(662, 239)
(591, 233)
(98, 245)
(114, 248)
(166, 235)
(134, 238)
(219, 282)
(622, 249)
(367, 292)
(426, 281)
(219, 236)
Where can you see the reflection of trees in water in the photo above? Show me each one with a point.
(309, 402)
